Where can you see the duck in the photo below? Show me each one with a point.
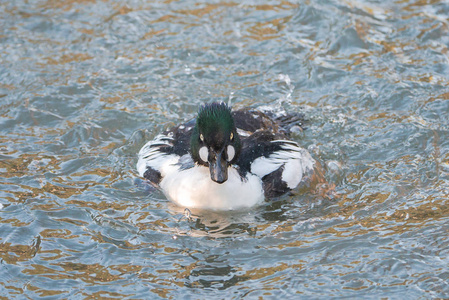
(226, 159)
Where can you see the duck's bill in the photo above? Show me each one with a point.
(218, 167)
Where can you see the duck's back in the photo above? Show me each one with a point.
(250, 121)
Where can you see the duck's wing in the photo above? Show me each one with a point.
(280, 163)
(165, 152)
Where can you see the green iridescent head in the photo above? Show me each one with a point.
(215, 142)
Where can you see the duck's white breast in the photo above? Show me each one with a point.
(194, 188)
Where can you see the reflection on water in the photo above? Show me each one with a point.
(83, 85)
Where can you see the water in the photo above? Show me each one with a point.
(83, 85)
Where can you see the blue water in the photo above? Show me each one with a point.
(84, 84)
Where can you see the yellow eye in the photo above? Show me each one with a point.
(202, 137)
(232, 136)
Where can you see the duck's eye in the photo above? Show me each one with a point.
(231, 152)
(232, 136)
(204, 154)
(201, 137)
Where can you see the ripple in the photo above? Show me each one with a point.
(84, 84)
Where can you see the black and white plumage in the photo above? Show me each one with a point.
(225, 160)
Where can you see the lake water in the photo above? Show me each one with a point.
(84, 84)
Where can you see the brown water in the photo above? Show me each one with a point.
(84, 84)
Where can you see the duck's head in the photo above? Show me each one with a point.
(215, 142)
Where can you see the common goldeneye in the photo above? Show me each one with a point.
(224, 160)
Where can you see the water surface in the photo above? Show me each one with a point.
(84, 84)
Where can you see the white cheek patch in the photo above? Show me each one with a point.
(204, 154)
(231, 152)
